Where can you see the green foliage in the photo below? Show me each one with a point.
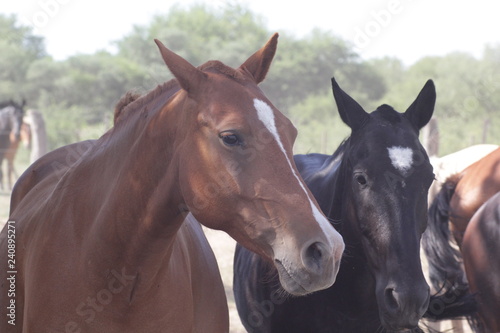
(19, 49)
(98, 81)
(467, 106)
(196, 33)
(64, 125)
(320, 129)
(77, 95)
(305, 66)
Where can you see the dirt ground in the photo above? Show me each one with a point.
(223, 247)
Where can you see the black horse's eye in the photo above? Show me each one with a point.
(230, 139)
(360, 179)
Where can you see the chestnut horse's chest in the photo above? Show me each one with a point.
(198, 286)
(185, 295)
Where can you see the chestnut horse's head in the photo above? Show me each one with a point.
(236, 171)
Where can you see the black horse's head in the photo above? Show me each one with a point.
(387, 175)
(11, 117)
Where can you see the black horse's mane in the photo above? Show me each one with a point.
(341, 148)
(339, 180)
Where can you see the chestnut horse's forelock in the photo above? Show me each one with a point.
(126, 99)
(134, 101)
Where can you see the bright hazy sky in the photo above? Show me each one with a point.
(406, 29)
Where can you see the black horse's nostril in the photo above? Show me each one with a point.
(404, 304)
(391, 298)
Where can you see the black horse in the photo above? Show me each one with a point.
(11, 119)
(374, 191)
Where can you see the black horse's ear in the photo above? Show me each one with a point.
(23, 103)
(350, 111)
(420, 111)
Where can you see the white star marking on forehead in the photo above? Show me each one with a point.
(266, 115)
(401, 158)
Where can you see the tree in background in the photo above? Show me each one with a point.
(194, 33)
(20, 48)
(468, 103)
(77, 95)
(300, 73)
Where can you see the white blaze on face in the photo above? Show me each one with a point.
(401, 158)
(266, 115)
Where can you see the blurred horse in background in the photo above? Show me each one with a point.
(39, 140)
(10, 153)
(11, 119)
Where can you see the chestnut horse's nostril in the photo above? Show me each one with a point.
(314, 251)
(314, 257)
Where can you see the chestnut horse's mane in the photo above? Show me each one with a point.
(134, 101)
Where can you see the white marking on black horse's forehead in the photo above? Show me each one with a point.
(401, 158)
(266, 115)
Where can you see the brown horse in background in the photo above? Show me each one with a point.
(473, 187)
(106, 239)
(11, 119)
(445, 167)
(481, 255)
(11, 151)
(453, 208)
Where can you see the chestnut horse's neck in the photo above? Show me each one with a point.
(128, 180)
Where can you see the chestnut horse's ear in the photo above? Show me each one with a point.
(420, 111)
(258, 64)
(189, 77)
(351, 113)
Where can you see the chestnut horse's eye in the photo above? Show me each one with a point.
(230, 139)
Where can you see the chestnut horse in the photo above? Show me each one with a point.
(481, 255)
(106, 241)
(458, 200)
(445, 167)
(456, 203)
(374, 190)
(476, 184)
(451, 164)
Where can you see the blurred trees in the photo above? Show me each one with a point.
(77, 95)
(20, 49)
(468, 101)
